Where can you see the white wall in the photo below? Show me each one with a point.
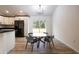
(66, 25)
(30, 23)
(48, 23)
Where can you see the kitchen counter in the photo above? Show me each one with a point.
(7, 40)
(6, 30)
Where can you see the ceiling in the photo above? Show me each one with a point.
(13, 10)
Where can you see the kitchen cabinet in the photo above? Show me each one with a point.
(8, 20)
(1, 19)
(7, 41)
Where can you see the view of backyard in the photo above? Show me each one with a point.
(39, 26)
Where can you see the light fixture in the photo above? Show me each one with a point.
(39, 8)
(21, 11)
(7, 11)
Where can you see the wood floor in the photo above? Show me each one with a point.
(59, 48)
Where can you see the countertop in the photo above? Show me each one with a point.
(6, 30)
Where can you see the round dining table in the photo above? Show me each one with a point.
(39, 37)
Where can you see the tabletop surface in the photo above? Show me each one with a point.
(39, 34)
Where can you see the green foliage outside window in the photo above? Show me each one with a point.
(39, 24)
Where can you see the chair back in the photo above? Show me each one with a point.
(51, 37)
(46, 33)
(29, 38)
(30, 34)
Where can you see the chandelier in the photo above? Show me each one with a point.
(40, 9)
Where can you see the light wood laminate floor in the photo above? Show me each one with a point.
(59, 48)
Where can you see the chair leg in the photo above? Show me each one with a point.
(49, 44)
(52, 42)
(26, 45)
(44, 44)
(32, 46)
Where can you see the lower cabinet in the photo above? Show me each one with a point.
(7, 42)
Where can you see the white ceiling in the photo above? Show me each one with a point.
(27, 10)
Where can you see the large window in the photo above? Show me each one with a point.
(39, 26)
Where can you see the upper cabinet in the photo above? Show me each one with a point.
(8, 20)
(1, 20)
(21, 18)
(11, 20)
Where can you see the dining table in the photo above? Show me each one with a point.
(39, 37)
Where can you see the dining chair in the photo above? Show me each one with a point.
(31, 41)
(31, 35)
(45, 33)
(38, 39)
(49, 39)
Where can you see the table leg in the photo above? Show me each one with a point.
(38, 43)
(43, 43)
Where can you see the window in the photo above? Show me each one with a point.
(39, 26)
